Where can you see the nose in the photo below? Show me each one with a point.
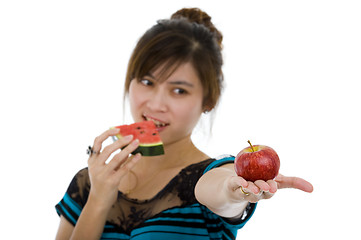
(157, 101)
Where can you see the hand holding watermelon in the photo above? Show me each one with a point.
(105, 177)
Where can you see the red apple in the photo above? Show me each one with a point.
(257, 162)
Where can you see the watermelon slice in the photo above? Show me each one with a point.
(146, 132)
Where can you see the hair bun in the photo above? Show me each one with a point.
(198, 16)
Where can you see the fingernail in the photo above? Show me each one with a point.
(128, 137)
(115, 129)
(135, 142)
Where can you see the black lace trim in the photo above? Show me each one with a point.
(128, 213)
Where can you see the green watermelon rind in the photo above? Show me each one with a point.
(146, 149)
(149, 150)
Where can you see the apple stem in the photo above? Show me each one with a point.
(251, 145)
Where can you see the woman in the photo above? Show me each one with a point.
(174, 75)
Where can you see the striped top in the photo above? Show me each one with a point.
(174, 213)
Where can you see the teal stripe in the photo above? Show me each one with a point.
(72, 204)
(170, 236)
(219, 162)
(108, 226)
(114, 236)
(66, 212)
(171, 229)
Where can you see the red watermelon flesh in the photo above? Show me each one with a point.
(146, 132)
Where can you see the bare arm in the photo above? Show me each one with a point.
(90, 224)
(104, 179)
(65, 229)
(219, 190)
(212, 191)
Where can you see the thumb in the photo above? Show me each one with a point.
(293, 182)
(236, 182)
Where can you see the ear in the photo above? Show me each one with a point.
(207, 106)
(207, 109)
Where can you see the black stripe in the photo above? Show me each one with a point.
(174, 224)
(224, 238)
(219, 227)
(197, 216)
(72, 213)
(66, 214)
(112, 229)
(228, 233)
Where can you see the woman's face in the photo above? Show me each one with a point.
(173, 104)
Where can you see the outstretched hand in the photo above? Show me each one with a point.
(227, 194)
(255, 191)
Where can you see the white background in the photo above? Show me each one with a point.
(292, 71)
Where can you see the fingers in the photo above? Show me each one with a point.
(132, 161)
(107, 167)
(293, 182)
(101, 157)
(237, 182)
(262, 186)
(108, 150)
(251, 193)
(273, 186)
(251, 188)
(122, 156)
(255, 191)
(258, 187)
(127, 165)
(98, 141)
(118, 160)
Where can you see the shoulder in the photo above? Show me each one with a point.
(80, 186)
(71, 205)
(194, 172)
(219, 161)
(81, 177)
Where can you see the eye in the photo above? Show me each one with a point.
(180, 91)
(146, 82)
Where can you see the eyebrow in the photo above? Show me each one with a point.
(180, 82)
(177, 82)
(149, 75)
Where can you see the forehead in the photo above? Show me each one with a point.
(176, 72)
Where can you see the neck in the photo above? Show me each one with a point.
(177, 156)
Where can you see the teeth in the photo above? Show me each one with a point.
(157, 123)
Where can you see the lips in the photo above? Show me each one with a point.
(158, 123)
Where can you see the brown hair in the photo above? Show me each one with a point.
(189, 36)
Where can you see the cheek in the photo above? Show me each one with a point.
(189, 112)
(135, 99)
